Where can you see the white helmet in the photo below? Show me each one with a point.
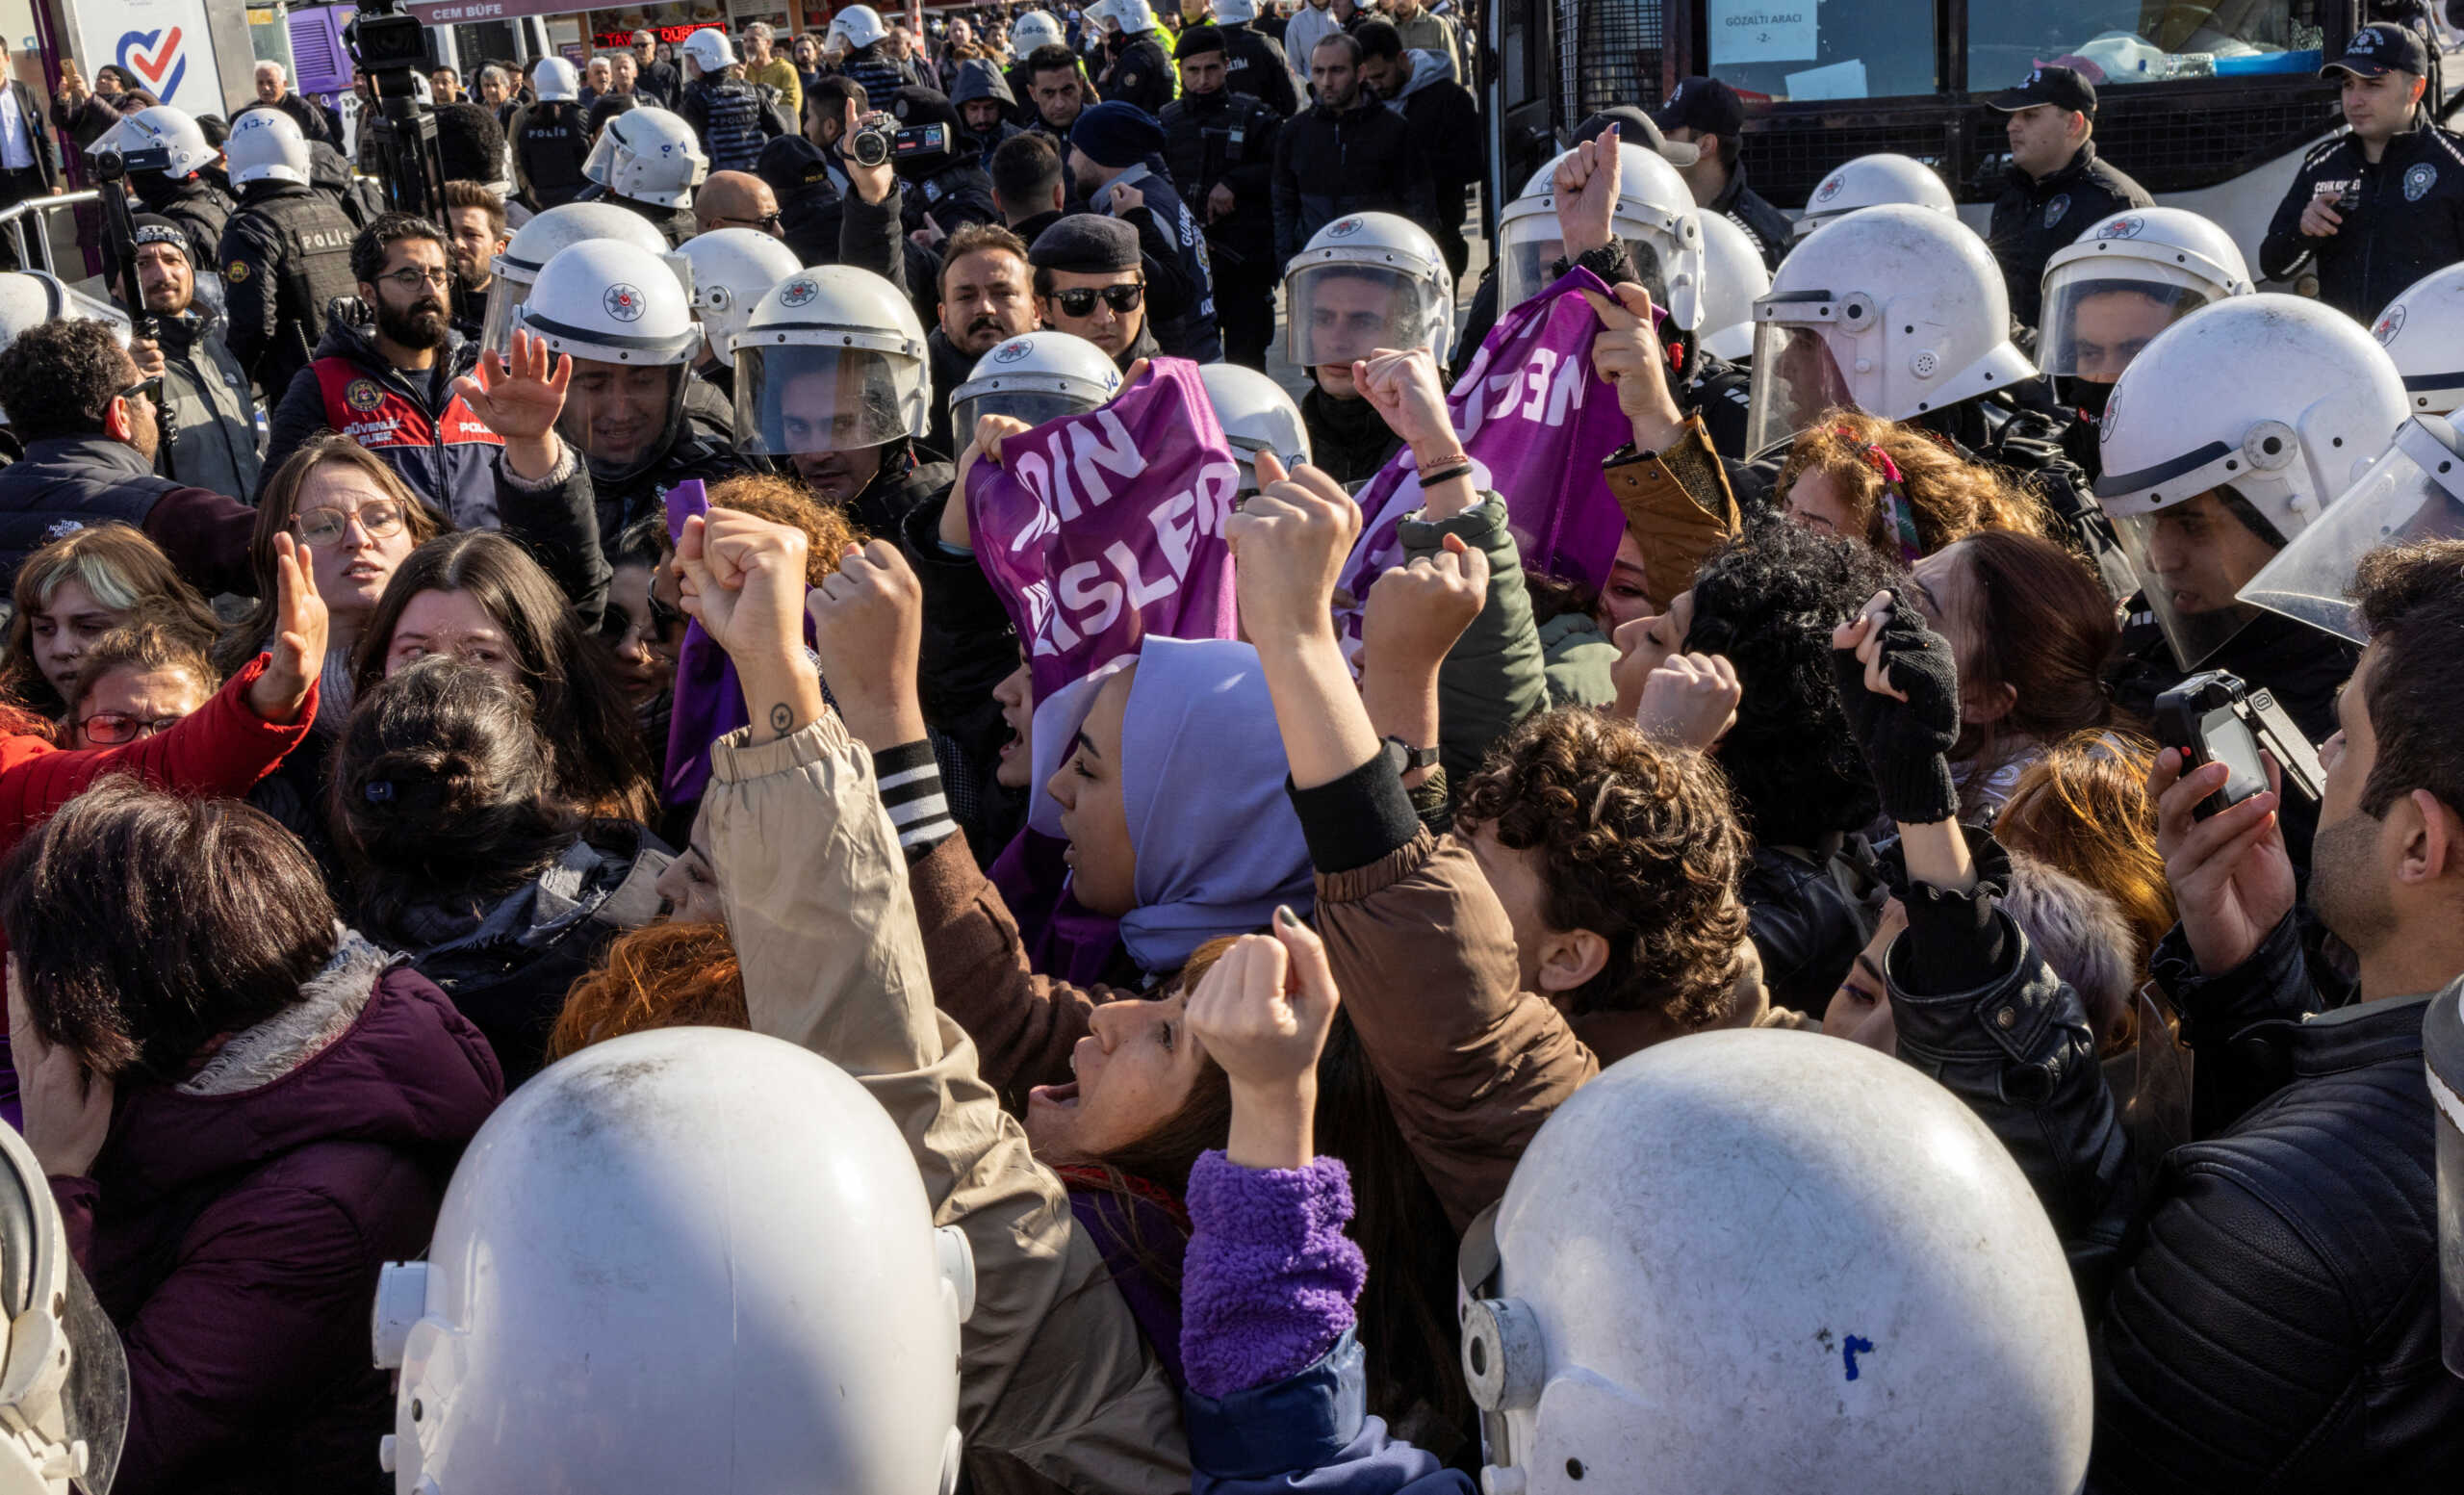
(1034, 377)
(1734, 278)
(1235, 12)
(1894, 310)
(2128, 279)
(709, 50)
(1870, 181)
(2271, 403)
(555, 82)
(650, 155)
(31, 298)
(621, 306)
(1256, 416)
(860, 25)
(1127, 16)
(265, 146)
(1655, 217)
(1924, 1334)
(1376, 262)
(159, 127)
(2422, 330)
(1030, 31)
(833, 360)
(65, 1412)
(733, 270)
(2415, 491)
(539, 241)
(690, 1259)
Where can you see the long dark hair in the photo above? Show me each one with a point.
(444, 793)
(601, 763)
(2047, 630)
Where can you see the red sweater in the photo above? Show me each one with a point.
(219, 752)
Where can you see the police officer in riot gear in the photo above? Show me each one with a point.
(833, 383)
(647, 160)
(1220, 143)
(1363, 283)
(622, 315)
(2378, 207)
(284, 253)
(1255, 65)
(731, 114)
(179, 189)
(551, 139)
(2422, 330)
(1137, 71)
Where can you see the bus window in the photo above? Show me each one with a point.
(2119, 41)
(1785, 49)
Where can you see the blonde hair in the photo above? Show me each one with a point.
(121, 569)
(1947, 497)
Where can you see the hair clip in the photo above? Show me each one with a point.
(379, 791)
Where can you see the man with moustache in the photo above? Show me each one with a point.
(384, 375)
(987, 295)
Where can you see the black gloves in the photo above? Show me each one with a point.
(1905, 742)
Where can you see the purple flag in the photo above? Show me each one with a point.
(710, 703)
(1100, 529)
(1538, 421)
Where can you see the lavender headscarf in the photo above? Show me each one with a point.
(1202, 776)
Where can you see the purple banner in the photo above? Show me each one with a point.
(1538, 423)
(1100, 529)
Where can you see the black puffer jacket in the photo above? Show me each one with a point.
(2274, 1321)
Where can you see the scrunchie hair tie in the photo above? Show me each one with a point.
(1898, 515)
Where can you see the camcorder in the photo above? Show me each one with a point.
(392, 49)
(879, 138)
(111, 166)
(2214, 718)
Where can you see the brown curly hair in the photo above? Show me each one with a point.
(1638, 844)
(663, 975)
(786, 502)
(1949, 499)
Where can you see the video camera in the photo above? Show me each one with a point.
(391, 49)
(115, 165)
(879, 138)
(2213, 718)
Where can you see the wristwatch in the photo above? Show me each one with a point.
(1406, 758)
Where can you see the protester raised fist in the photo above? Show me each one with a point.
(1899, 687)
(868, 629)
(518, 398)
(1586, 185)
(742, 578)
(1408, 396)
(300, 626)
(1290, 541)
(2231, 876)
(1690, 700)
(1627, 351)
(1417, 611)
(1263, 1012)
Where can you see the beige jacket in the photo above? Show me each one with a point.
(1054, 1375)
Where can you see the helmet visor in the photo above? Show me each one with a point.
(2404, 496)
(94, 1404)
(504, 301)
(2192, 560)
(1530, 247)
(1341, 310)
(1034, 406)
(2094, 327)
(799, 399)
(623, 417)
(1795, 380)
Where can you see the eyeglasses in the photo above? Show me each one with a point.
(146, 386)
(1080, 301)
(111, 728)
(768, 223)
(412, 279)
(378, 518)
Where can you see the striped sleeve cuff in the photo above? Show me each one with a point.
(910, 789)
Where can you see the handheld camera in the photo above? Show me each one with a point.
(2214, 718)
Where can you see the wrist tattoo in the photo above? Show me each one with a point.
(780, 718)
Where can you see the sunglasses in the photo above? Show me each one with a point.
(767, 224)
(1080, 301)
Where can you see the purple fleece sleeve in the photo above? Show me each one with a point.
(1270, 1277)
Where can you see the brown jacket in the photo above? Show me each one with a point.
(1054, 1375)
(1678, 507)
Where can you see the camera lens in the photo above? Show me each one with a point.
(872, 147)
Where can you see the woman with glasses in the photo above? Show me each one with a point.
(78, 589)
(139, 681)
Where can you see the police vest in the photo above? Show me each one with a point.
(731, 125)
(553, 145)
(376, 416)
(316, 238)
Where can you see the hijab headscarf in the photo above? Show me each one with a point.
(1202, 781)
